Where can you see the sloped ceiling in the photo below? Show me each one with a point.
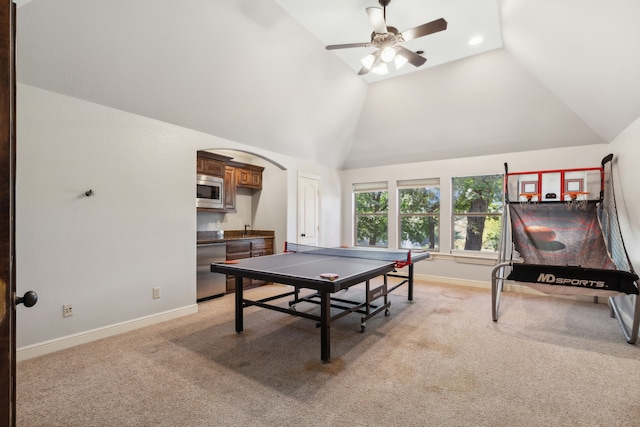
(587, 52)
(247, 71)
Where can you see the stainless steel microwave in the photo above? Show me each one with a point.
(209, 192)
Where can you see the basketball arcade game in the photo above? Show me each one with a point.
(560, 235)
(326, 271)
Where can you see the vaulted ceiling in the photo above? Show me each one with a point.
(565, 73)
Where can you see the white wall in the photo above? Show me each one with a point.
(626, 154)
(626, 151)
(105, 253)
(444, 266)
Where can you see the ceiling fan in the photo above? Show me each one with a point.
(390, 54)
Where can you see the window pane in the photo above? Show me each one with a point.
(371, 230)
(372, 202)
(419, 200)
(371, 218)
(476, 233)
(419, 232)
(477, 194)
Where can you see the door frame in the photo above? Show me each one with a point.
(7, 213)
(300, 209)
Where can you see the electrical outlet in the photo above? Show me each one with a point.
(67, 310)
(156, 293)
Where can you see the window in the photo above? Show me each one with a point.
(371, 202)
(419, 212)
(477, 212)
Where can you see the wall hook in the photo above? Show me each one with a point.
(89, 193)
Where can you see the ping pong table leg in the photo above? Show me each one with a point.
(325, 326)
(410, 284)
(239, 322)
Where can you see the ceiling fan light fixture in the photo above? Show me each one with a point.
(388, 54)
(368, 61)
(381, 69)
(399, 60)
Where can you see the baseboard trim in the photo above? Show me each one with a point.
(51, 346)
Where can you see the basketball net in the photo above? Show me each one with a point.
(576, 200)
(528, 200)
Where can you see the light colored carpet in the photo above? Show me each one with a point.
(439, 361)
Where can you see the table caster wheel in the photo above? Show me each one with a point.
(387, 312)
(362, 326)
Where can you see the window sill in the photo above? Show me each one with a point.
(468, 258)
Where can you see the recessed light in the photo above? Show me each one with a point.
(475, 40)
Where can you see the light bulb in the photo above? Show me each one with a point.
(388, 53)
(380, 69)
(399, 60)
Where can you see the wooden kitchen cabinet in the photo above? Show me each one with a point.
(229, 189)
(234, 174)
(237, 249)
(249, 176)
(211, 164)
(210, 167)
(246, 248)
(260, 247)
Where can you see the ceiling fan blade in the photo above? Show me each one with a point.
(376, 16)
(412, 57)
(347, 45)
(424, 29)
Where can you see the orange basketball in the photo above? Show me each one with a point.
(540, 233)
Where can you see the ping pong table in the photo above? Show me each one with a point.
(326, 271)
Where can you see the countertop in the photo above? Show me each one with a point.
(206, 237)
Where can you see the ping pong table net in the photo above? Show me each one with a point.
(401, 258)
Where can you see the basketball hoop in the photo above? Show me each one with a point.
(528, 200)
(576, 199)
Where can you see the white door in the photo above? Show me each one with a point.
(308, 199)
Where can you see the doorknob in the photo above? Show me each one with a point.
(303, 235)
(29, 299)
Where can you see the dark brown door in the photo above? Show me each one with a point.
(8, 299)
(7, 145)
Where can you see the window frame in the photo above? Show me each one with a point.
(454, 215)
(419, 184)
(369, 187)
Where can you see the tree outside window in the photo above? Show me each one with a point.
(419, 212)
(477, 212)
(371, 214)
